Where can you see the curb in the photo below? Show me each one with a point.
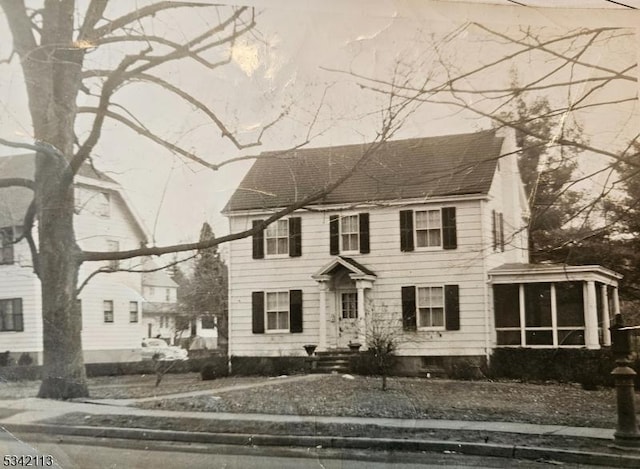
(361, 443)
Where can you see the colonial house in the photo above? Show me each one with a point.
(159, 312)
(427, 236)
(111, 303)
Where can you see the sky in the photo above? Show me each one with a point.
(300, 61)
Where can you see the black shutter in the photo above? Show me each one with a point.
(295, 237)
(494, 231)
(501, 219)
(257, 311)
(258, 241)
(334, 235)
(449, 235)
(18, 324)
(295, 311)
(452, 307)
(409, 308)
(363, 223)
(406, 230)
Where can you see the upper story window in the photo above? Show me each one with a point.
(280, 238)
(276, 237)
(428, 228)
(11, 315)
(6, 245)
(431, 228)
(103, 204)
(113, 246)
(349, 233)
(133, 311)
(107, 307)
(95, 202)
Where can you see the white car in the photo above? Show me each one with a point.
(164, 351)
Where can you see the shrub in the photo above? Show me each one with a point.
(25, 359)
(5, 358)
(268, 366)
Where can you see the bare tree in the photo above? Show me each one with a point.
(53, 42)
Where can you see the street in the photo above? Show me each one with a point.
(81, 453)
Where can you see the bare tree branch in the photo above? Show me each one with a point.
(94, 14)
(17, 182)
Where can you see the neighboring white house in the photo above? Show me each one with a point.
(428, 235)
(160, 309)
(111, 303)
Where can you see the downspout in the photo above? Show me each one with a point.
(229, 315)
(485, 276)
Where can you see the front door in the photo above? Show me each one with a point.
(347, 312)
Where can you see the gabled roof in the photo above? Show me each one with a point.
(348, 263)
(158, 278)
(14, 201)
(447, 165)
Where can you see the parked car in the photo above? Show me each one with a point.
(164, 351)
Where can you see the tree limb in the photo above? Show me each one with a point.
(17, 182)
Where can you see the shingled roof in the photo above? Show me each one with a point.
(14, 201)
(400, 169)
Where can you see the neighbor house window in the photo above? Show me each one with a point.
(103, 204)
(107, 307)
(208, 322)
(527, 315)
(430, 307)
(113, 246)
(167, 294)
(349, 233)
(280, 238)
(349, 305)
(497, 228)
(432, 228)
(133, 311)
(276, 311)
(11, 315)
(6, 245)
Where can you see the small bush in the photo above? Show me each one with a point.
(466, 369)
(25, 359)
(268, 366)
(214, 368)
(5, 358)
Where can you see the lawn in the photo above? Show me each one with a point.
(556, 404)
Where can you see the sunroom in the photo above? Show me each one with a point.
(551, 306)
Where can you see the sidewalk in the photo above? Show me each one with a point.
(30, 415)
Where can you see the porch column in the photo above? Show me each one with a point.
(322, 313)
(616, 302)
(591, 317)
(362, 283)
(606, 320)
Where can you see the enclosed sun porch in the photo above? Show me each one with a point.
(551, 306)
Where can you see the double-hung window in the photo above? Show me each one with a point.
(430, 228)
(11, 315)
(430, 308)
(276, 311)
(277, 238)
(349, 234)
(133, 311)
(6, 245)
(107, 307)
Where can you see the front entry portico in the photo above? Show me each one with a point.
(343, 285)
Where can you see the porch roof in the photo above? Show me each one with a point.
(348, 263)
(535, 273)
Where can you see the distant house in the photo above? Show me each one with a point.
(111, 303)
(429, 234)
(160, 310)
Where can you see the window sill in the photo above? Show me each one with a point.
(276, 331)
(277, 256)
(431, 329)
(428, 248)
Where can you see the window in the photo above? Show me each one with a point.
(167, 294)
(108, 310)
(349, 233)
(113, 246)
(103, 204)
(279, 311)
(11, 315)
(277, 238)
(431, 307)
(280, 238)
(431, 228)
(6, 245)
(542, 322)
(133, 311)
(428, 228)
(349, 305)
(208, 322)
